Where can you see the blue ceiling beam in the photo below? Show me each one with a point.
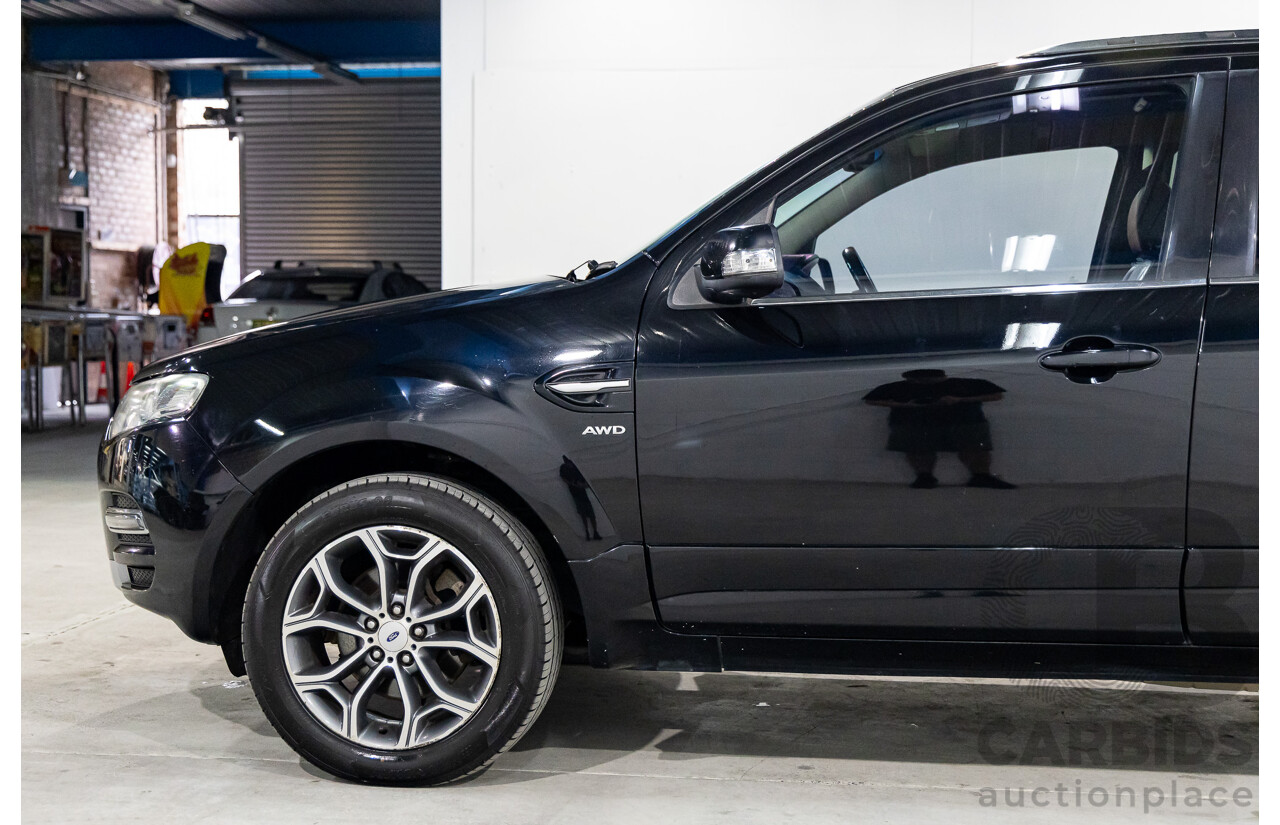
(293, 73)
(414, 40)
(197, 83)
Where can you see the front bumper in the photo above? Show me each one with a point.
(173, 502)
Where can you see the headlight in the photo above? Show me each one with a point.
(160, 399)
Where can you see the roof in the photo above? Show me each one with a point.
(1148, 41)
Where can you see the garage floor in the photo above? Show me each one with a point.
(125, 720)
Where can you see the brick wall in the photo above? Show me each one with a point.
(41, 151)
(124, 160)
(122, 173)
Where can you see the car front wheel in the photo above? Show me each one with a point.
(402, 629)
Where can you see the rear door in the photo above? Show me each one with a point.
(966, 415)
(1222, 520)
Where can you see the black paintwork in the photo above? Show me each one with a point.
(740, 500)
(190, 500)
(1221, 578)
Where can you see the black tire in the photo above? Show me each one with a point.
(499, 546)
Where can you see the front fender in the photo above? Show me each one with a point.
(462, 381)
(583, 488)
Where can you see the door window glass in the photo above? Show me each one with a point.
(1065, 186)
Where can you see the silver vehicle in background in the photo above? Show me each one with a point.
(279, 294)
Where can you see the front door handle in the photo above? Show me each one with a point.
(1092, 359)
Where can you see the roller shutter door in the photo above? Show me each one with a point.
(340, 174)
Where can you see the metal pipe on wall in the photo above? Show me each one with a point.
(85, 88)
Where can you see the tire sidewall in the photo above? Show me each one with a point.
(519, 606)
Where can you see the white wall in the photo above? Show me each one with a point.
(579, 129)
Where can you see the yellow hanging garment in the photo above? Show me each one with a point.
(182, 282)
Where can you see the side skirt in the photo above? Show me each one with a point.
(624, 631)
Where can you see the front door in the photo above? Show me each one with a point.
(966, 414)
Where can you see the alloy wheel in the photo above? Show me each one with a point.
(391, 637)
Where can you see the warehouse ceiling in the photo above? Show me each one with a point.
(245, 10)
(213, 36)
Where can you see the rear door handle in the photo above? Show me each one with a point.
(1092, 359)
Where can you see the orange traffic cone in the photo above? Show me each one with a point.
(128, 376)
(102, 383)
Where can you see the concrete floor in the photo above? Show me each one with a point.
(126, 720)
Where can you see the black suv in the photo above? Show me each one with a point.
(966, 384)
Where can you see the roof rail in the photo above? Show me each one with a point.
(1146, 41)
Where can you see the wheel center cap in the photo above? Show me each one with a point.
(393, 636)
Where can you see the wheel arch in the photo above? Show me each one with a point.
(293, 485)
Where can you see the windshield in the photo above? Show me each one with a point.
(334, 288)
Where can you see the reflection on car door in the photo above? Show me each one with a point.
(975, 424)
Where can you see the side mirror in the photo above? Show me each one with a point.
(740, 263)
